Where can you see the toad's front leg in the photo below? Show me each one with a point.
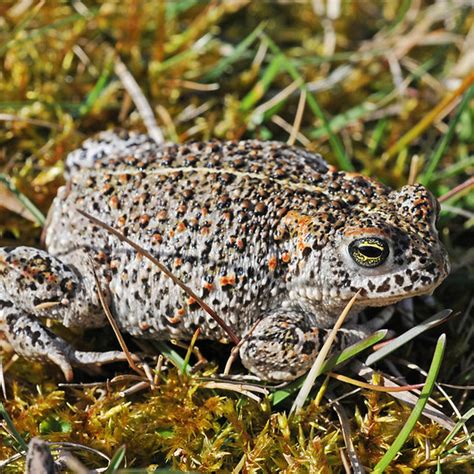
(36, 285)
(285, 343)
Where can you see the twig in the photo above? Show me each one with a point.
(176, 280)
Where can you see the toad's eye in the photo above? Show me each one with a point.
(369, 252)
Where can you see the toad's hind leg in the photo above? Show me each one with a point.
(285, 343)
(36, 285)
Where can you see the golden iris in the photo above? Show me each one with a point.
(369, 252)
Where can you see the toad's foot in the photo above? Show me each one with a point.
(285, 343)
(32, 340)
(35, 286)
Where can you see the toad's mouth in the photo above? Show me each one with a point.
(392, 298)
(388, 297)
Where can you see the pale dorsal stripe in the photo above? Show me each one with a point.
(190, 169)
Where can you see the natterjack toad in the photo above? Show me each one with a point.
(269, 235)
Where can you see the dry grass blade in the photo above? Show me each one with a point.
(426, 121)
(190, 350)
(13, 200)
(281, 122)
(409, 398)
(11, 459)
(276, 99)
(316, 367)
(244, 389)
(74, 464)
(299, 116)
(356, 465)
(466, 186)
(139, 99)
(36, 122)
(113, 323)
(376, 388)
(414, 169)
(400, 341)
(344, 356)
(176, 280)
(197, 86)
(138, 387)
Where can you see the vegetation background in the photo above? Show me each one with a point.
(381, 87)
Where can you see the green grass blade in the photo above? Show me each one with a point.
(263, 84)
(97, 90)
(351, 351)
(172, 61)
(401, 340)
(443, 143)
(116, 460)
(11, 427)
(459, 167)
(377, 136)
(401, 13)
(348, 353)
(349, 116)
(35, 212)
(464, 419)
(401, 438)
(240, 49)
(39, 32)
(173, 356)
(177, 7)
(334, 141)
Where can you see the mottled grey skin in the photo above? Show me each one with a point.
(260, 230)
(39, 459)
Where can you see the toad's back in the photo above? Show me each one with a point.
(218, 215)
(212, 213)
